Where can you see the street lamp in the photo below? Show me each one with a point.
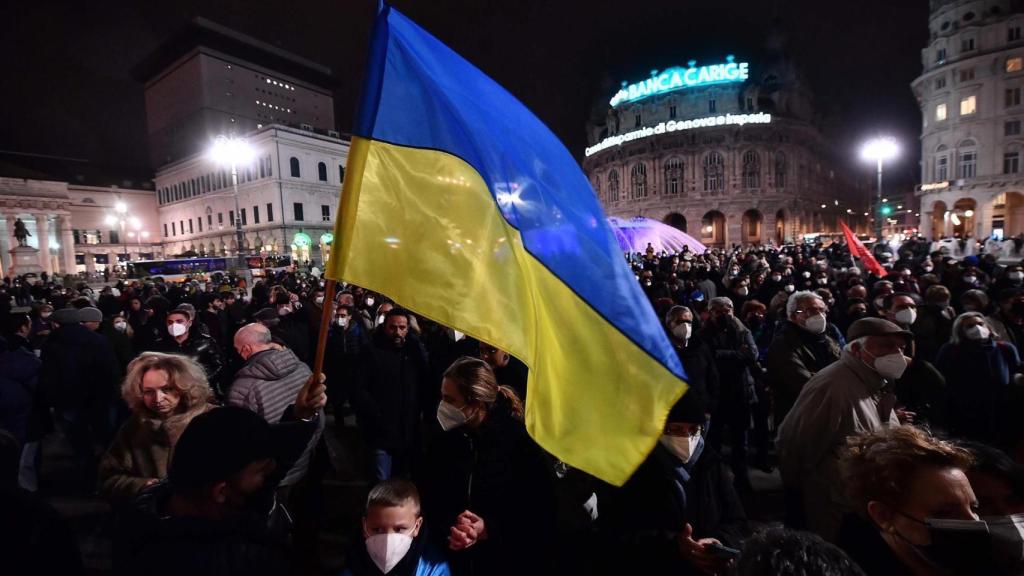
(879, 150)
(120, 218)
(232, 151)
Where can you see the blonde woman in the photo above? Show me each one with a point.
(164, 392)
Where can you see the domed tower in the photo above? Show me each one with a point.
(970, 95)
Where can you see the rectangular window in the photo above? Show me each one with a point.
(672, 112)
(1012, 97)
(200, 222)
(255, 214)
(115, 237)
(165, 232)
(1014, 64)
(966, 75)
(181, 226)
(220, 218)
(1011, 163)
(1013, 34)
(190, 229)
(940, 55)
(750, 103)
(245, 222)
(270, 212)
(940, 112)
(968, 106)
(968, 162)
(325, 212)
(940, 83)
(1011, 128)
(231, 217)
(174, 228)
(209, 221)
(712, 105)
(967, 45)
(297, 209)
(637, 120)
(942, 168)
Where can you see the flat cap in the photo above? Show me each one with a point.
(875, 327)
(90, 314)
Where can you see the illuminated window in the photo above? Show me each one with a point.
(751, 170)
(673, 175)
(940, 112)
(714, 172)
(968, 105)
(1014, 64)
(638, 180)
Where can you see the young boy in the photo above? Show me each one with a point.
(396, 542)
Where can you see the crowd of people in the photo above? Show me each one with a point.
(888, 403)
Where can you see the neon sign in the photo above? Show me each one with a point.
(678, 125)
(677, 77)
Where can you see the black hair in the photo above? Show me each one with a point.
(16, 321)
(996, 463)
(781, 552)
(887, 301)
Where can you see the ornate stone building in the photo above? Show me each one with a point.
(970, 92)
(728, 152)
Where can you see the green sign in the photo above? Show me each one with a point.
(326, 238)
(301, 239)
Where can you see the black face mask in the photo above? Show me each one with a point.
(991, 546)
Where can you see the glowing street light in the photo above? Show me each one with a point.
(232, 151)
(879, 150)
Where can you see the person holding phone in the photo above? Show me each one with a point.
(679, 513)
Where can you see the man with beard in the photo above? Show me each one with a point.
(389, 376)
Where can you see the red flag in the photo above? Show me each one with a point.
(858, 251)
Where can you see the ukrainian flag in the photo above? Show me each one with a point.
(462, 206)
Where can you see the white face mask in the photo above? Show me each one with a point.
(681, 447)
(742, 291)
(806, 274)
(120, 326)
(906, 316)
(979, 332)
(822, 281)
(44, 314)
(369, 302)
(891, 366)
(177, 329)
(1016, 276)
(284, 311)
(815, 324)
(387, 550)
(682, 331)
(969, 279)
(380, 320)
(450, 417)
(879, 302)
(790, 288)
(319, 300)
(776, 278)
(343, 322)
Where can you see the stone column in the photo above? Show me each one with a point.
(5, 254)
(90, 263)
(43, 232)
(67, 244)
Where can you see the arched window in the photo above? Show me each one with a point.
(613, 186)
(294, 162)
(673, 175)
(597, 186)
(967, 160)
(780, 170)
(751, 170)
(638, 180)
(941, 164)
(321, 171)
(714, 172)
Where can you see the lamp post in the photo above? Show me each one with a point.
(232, 151)
(879, 150)
(120, 218)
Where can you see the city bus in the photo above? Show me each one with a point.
(177, 269)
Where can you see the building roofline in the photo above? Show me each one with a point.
(200, 32)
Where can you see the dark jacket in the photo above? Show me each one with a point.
(701, 370)
(344, 348)
(932, 329)
(499, 473)
(388, 392)
(861, 540)
(735, 354)
(203, 350)
(19, 375)
(794, 356)
(37, 540)
(79, 369)
(640, 523)
(293, 330)
(979, 378)
(122, 345)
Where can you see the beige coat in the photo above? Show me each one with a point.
(141, 452)
(845, 398)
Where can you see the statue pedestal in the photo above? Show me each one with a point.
(25, 260)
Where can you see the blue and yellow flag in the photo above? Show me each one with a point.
(462, 206)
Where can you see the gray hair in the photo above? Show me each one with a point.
(719, 302)
(860, 342)
(798, 298)
(955, 337)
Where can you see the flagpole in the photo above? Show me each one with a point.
(325, 323)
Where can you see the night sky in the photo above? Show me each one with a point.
(67, 89)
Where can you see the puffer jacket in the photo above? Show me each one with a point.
(267, 384)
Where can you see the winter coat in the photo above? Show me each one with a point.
(735, 354)
(141, 452)
(845, 398)
(388, 394)
(344, 347)
(794, 356)
(203, 350)
(79, 369)
(640, 523)
(19, 375)
(979, 379)
(499, 473)
(267, 384)
(701, 370)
